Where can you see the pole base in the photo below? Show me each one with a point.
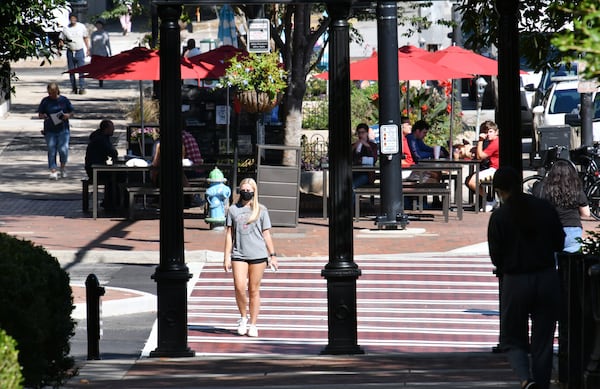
(342, 350)
(400, 223)
(172, 353)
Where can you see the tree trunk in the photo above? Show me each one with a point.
(297, 54)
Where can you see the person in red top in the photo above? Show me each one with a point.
(492, 153)
(407, 159)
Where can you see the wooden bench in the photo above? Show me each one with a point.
(141, 190)
(419, 190)
(85, 194)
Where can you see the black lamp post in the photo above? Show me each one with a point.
(172, 273)
(509, 93)
(341, 272)
(389, 117)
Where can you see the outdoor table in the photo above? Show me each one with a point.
(120, 167)
(447, 166)
(355, 168)
(115, 168)
(474, 167)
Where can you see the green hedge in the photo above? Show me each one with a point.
(35, 309)
(10, 370)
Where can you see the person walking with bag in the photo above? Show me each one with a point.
(56, 110)
(248, 250)
(524, 234)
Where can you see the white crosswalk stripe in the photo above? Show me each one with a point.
(405, 303)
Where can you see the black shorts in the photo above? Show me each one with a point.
(251, 261)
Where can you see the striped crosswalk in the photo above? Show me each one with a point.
(405, 303)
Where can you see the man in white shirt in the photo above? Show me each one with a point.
(75, 38)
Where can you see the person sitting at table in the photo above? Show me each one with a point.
(420, 150)
(98, 151)
(418, 147)
(192, 152)
(364, 152)
(491, 153)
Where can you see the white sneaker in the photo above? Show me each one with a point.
(252, 331)
(242, 326)
(53, 176)
(490, 205)
(63, 173)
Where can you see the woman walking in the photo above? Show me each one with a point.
(56, 110)
(248, 250)
(562, 188)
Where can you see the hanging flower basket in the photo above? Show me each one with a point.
(259, 81)
(256, 101)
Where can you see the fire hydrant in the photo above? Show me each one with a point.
(217, 195)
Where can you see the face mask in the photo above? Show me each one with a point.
(246, 195)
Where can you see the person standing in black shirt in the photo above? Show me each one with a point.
(523, 236)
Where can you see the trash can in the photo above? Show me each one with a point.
(551, 136)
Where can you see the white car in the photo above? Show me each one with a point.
(562, 98)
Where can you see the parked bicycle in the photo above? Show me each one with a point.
(588, 158)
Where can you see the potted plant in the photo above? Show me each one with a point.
(259, 80)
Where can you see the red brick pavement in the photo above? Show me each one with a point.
(75, 231)
(70, 229)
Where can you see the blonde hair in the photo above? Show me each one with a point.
(53, 86)
(254, 204)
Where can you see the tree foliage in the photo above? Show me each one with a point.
(550, 31)
(583, 43)
(23, 31)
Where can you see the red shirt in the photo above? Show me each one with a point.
(408, 160)
(493, 151)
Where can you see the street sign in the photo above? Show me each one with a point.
(259, 35)
(388, 138)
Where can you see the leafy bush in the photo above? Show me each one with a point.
(315, 114)
(10, 370)
(591, 244)
(35, 309)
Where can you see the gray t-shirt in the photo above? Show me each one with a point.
(248, 240)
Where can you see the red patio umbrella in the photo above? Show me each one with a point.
(455, 57)
(138, 63)
(216, 60)
(412, 51)
(409, 68)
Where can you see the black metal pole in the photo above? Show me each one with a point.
(509, 106)
(587, 119)
(389, 117)
(93, 291)
(172, 274)
(341, 272)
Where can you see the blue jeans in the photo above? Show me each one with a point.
(75, 60)
(58, 142)
(571, 235)
(358, 180)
